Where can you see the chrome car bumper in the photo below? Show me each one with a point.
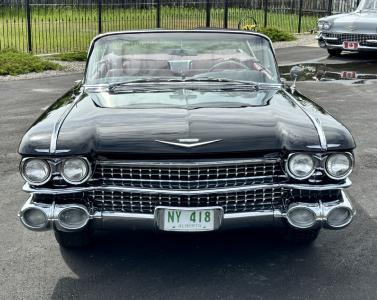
(110, 220)
(323, 42)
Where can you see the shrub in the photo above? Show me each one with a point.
(72, 56)
(277, 35)
(13, 62)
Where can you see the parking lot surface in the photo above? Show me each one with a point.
(235, 265)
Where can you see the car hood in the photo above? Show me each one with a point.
(95, 124)
(356, 22)
(274, 123)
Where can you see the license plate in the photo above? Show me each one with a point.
(188, 219)
(348, 75)
(351, 45)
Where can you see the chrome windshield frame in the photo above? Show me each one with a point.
(152, 31)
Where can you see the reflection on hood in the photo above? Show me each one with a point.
(183, 98)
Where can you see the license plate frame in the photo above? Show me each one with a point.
(348, 75)
(161, 211)
(350, 45)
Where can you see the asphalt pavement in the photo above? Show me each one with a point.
(236, 265)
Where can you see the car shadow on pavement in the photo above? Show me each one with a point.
(141, 264)
(243, 264)
(354, 57)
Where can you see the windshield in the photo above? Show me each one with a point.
(186, 56)
(368, 5)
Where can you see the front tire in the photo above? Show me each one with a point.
(334, 52)
(74, 239)
(301, 237)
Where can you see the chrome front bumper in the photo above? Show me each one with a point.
(322, 41)
(111, 220)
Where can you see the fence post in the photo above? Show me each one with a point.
(158, 14)
(226, 11)
(330, 7)
(28, 24)
(99, 16)
(208, 13)
(265, 13)
(300, 16)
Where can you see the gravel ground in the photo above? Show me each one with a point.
(78, 66)
(302, 40)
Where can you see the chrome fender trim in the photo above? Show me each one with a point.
(315, 121)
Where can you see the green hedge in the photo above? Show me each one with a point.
(277, 35)
(14, 63)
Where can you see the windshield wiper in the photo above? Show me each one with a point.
(220, 80)
(115, 85)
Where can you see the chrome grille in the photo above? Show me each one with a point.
(351, 37)
(188, 176)
(232, 202)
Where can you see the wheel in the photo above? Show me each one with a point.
(301, 237)
(334, 52)
(74, 239)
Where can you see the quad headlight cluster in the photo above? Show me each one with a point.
(39, 171)
(324, 25)
(302, 166)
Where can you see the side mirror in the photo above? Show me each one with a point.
(296, 72)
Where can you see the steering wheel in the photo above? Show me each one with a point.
(237, 63)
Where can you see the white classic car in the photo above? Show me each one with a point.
(356, 31)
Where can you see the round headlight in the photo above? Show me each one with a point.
(301, 166)
(35, 218)
(326, 26)
(36, 171)
(338, 166)
(339, 217)
(75, 170)
(73, 218)
(301, 217)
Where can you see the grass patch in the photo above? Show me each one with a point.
(72, 56)
(59, 29)
(277, 35)
(13, 62)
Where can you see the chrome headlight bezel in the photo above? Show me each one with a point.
(24, 164)
(84, 178)
(295, 176)
(351, 160)
(324, 25)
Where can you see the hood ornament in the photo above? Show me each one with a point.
(188, 143)
(352, 27)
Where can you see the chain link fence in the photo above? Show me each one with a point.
(52, 26)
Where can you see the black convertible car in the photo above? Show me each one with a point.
(185, 131)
